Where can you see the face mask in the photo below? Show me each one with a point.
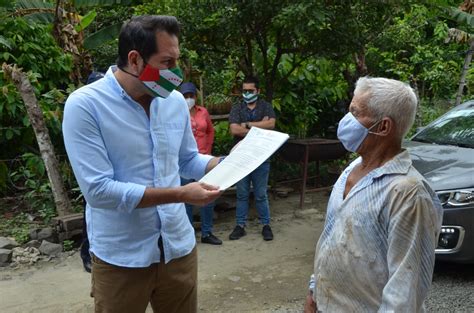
(352, 133)
(190, 102)
(161, 82)
(250, 97)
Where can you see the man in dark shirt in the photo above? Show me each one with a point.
(250, 112)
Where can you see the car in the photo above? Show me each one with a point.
(443, 152)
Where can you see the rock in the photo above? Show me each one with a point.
(234, 278)
(32, 243)
(46, 234)
(30, 217)
(309, 212)
(7, 243)
(28, 255)
(5, 257)
(34, 234)
(50, 248)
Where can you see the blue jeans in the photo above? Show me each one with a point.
(207, 212)
(259, 180)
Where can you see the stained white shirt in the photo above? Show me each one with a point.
(377, 250)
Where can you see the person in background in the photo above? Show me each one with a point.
(203, 132)
(129, 140)
(252, 111)
(377, 249)
(85, 255)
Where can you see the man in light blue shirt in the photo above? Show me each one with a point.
(128, 138)
(377, 250)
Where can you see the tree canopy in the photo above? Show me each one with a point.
(307, 54)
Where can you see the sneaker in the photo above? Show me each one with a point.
(211, 239)
(267, 233)
(237, 233)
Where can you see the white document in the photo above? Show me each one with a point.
(256, 147)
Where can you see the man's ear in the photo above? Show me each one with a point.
(386, 126)
(135, 61)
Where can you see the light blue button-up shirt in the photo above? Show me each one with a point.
(116, 151)
(377, 249)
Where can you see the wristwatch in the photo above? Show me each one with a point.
(247, 125)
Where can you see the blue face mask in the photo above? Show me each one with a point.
(250, 97)
(352, 133)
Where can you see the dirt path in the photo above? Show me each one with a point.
(247, 275)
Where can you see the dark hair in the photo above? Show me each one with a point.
(251, 80)
(140, 34)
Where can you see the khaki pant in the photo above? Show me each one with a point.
(168, 287)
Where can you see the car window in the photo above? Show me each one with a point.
(454, 128)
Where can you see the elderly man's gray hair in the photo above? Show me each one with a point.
(389, 97)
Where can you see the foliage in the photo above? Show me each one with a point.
(16, 227)
(223, 141)
(319, 87)
(32, 48)
(30, 177)
(307, 54)
(104, 53)
(68, 245)
(412, 49)
(427, 112)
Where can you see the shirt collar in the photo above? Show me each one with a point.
(112, 80)
(242, 103)
(400, 164)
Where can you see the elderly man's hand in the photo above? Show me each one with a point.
(199, 193)
(309, 305)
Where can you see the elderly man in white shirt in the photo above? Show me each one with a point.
(377, 249)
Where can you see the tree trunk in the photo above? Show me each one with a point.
(465, 68)
(63, 206)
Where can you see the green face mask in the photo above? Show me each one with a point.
(250, 97)
(161, 82)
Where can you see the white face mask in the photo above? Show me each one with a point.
(191, 102)
(351, 133)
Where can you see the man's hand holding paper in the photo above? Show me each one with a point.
(253, 150)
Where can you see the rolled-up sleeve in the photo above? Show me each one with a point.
(89, 159)
(412, 238)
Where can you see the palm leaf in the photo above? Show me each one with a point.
(462, 17)
(40, 17)
(7, 4)
(102, 36)
(35, 10)
(33, 4)
(90, 3)
(86, 20)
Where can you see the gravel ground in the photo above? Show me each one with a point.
(247, 275)
(452, 289)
